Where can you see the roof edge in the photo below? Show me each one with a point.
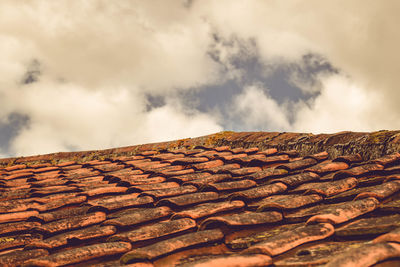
(370, 145)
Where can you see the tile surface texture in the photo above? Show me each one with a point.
(229, 199)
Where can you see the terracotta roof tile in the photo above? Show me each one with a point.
(79, 235)
(154, 231)
(169, 192)
(139, 216)
(392, 236)
(284, 202)
(297, 179)
(17, 257)
(290, 239)
(170, 245)
(269, 198)
(368, 226)
(80, 254)
(234, 185)
(209, 180)
(256, 260)
(298, 164)
(366, 255)
(72, 222)
(189, 199)
(344, 212)
(261, 191)
(328, 166)
(332, 188)
(207, 209)
(243, 219)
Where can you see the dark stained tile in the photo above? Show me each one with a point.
(345, 211)
(234, 185)
(368, 226)
(267, 174)
(254, 260)
(167, 156)
(17, 240)
(215, 178)
(81, 254)
(17, 227)
(297, 179)
(284, 202)
(260, 191)
(80, 173)
(139, 216)
(189, 177)
(120, 201)
(392, 236)
(177, 173)
(387, 159)
(288, 240)
(169, 192)
(381, 191)
(15, 194)
(110, 167)
(207, 209)
(15, 258)
(61, 203)
(236, 242)
(17, 216)
(156, 186)
(79, 235)
(49, 182)
(298, 164)
(243, 219)
(391, 206)
(189, 199)
(132, 181)
(154, 231)
(208, 164)
(189, 160)
(224, 168)
(71, 223)
(359, 170)
(17, 205)
(244, 171)
(314, 255)
(53, 190)
(328, 189)
(328, 166)
(61, 214)
(365, 255)
(173, 244)
(261, 159)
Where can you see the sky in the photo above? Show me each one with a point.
(95, 74)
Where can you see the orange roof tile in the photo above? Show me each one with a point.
(245, 199)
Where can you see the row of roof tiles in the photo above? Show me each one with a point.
(202, 207)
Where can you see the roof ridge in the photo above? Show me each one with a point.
(369, 145)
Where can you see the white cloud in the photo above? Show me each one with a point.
(258, 111)
(99, 58)
(65, 117)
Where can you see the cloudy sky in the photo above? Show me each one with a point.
(92, 74)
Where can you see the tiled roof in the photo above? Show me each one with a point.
(229, 199)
